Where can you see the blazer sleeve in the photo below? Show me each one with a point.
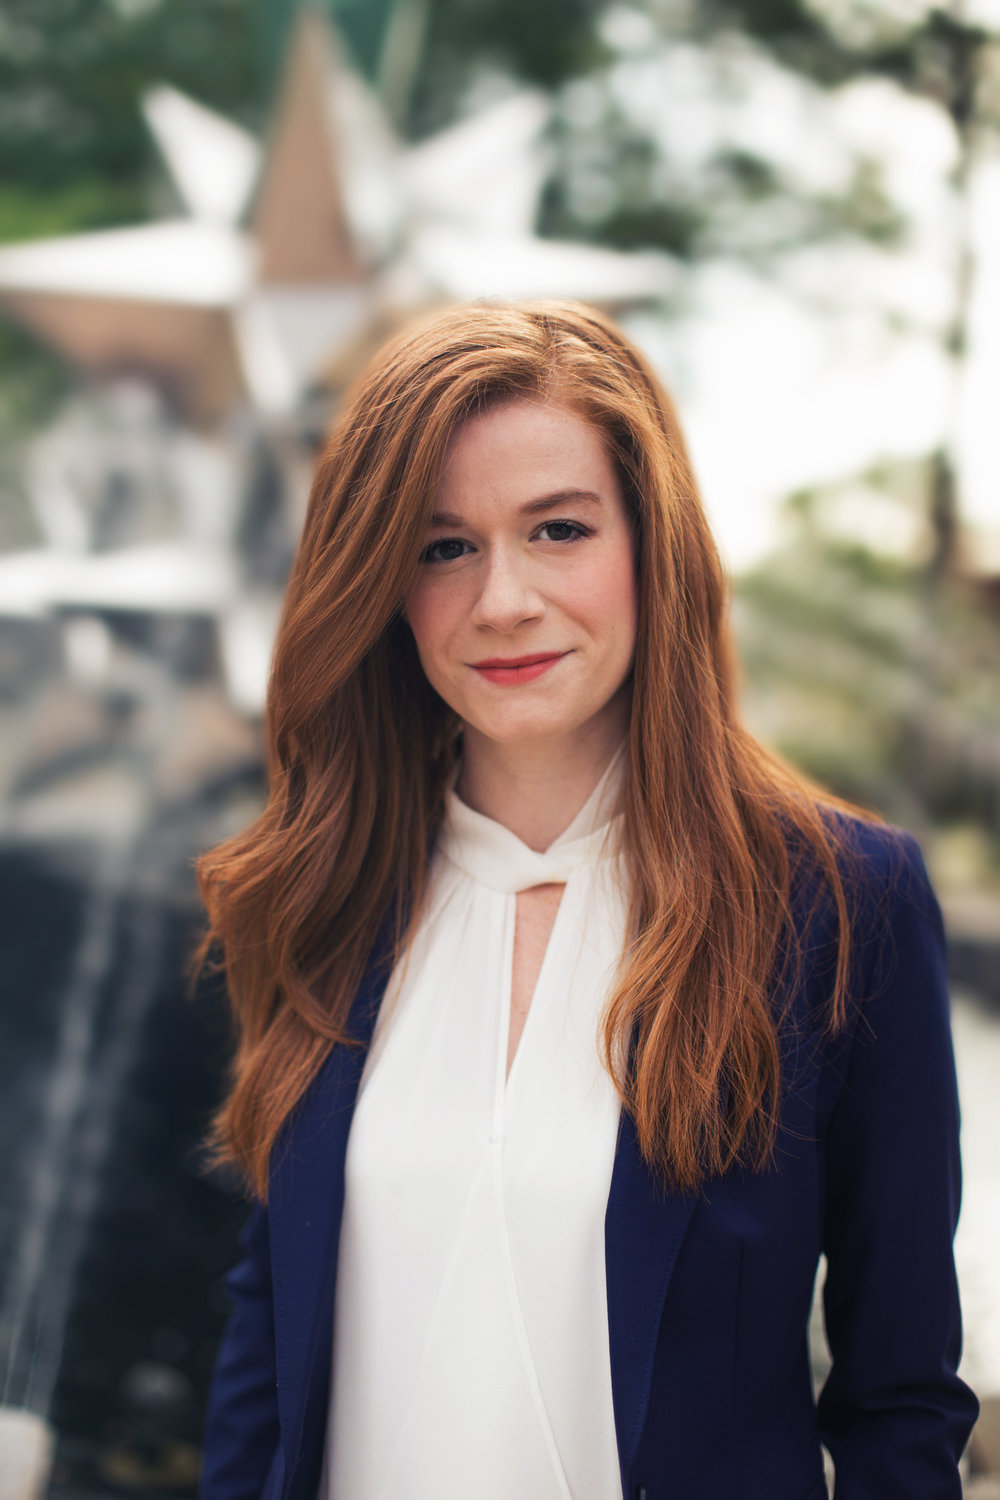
(893, 1412)
(241, 1421)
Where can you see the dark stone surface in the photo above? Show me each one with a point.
(147, 1303)
(39, 930)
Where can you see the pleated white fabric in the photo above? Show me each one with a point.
(470, 1329)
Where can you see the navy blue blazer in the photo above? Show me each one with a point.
(709, 1294)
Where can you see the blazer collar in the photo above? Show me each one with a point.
(644, 1228)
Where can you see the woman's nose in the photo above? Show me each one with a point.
(507, 597)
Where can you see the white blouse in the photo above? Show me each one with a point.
(470, 1352)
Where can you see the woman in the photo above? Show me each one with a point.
(573, 1025)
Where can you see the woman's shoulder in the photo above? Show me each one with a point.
(878, 861)
(885, 896)
(893, 912)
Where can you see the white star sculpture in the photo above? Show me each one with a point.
(292, 255)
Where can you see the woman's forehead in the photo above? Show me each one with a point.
(538, 447)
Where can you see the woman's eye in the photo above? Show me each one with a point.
(562, 531)
(445, 550)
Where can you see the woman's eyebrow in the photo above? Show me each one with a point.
(560, 497)
(530, 508)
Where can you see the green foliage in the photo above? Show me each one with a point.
(543, 42)
(28, 212)
(363, 24)
(877, 682)
(72, 73)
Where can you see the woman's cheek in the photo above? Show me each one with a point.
(430, 614)
(419, 615)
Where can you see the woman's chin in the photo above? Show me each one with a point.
(527, 730)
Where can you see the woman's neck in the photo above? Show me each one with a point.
(536, 789)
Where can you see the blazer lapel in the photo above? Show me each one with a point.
(306, 1203)
(644, 1227)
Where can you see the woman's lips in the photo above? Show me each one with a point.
(507, 671)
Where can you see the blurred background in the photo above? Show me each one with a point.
(211, 211)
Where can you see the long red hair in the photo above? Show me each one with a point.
(360, 749)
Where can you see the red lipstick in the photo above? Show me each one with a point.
(508, 670)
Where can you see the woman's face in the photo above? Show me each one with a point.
(524, 609)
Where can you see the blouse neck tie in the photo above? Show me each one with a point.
(492, 854)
